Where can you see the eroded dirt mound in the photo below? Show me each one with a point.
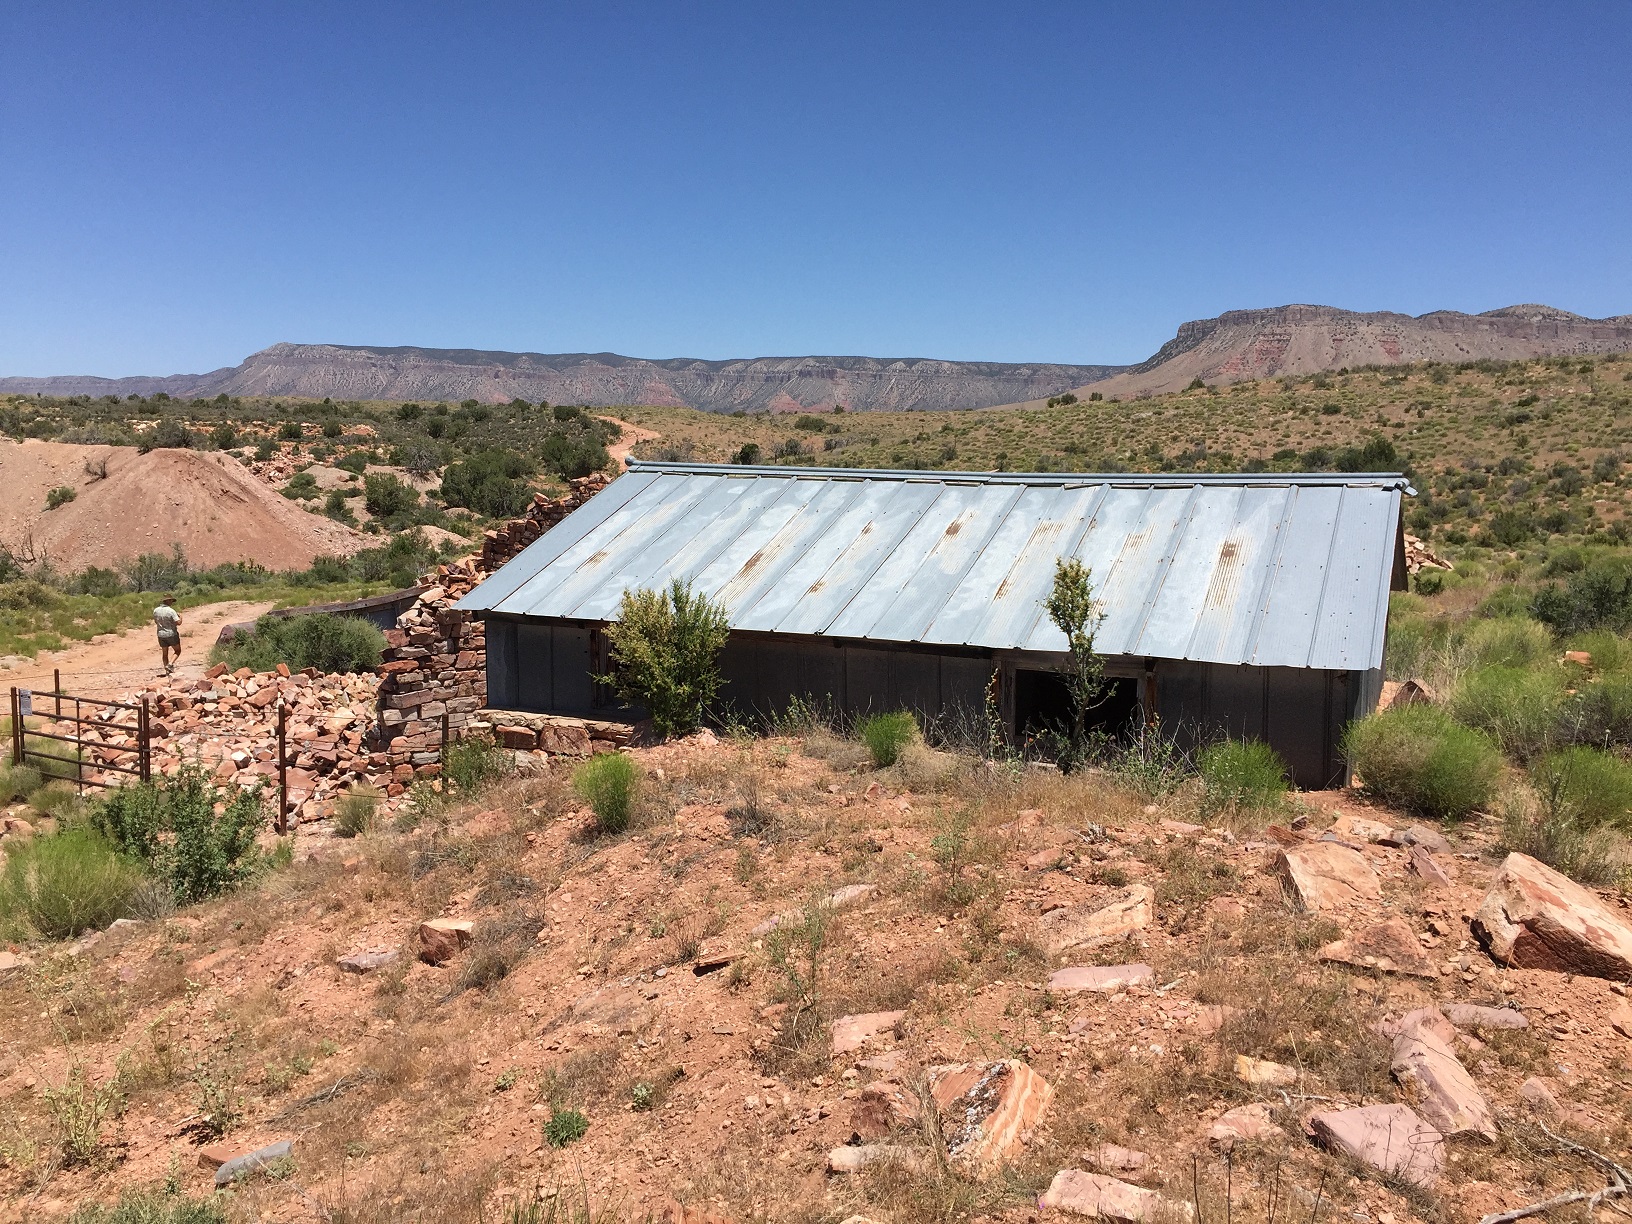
(210, 504)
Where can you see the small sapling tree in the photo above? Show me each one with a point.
(1071, 607)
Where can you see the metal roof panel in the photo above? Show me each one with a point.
(1268, 569)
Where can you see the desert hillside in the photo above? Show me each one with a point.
(1241, 345)
(210, 504)
(804, 987)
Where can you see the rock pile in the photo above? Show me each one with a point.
(228, 722)
(501, 543)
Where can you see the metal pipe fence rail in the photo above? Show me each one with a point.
(23, 707)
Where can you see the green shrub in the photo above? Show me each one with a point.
(1610, 652)
(887, 735)
(1422, 761)
(60, 496)
(1518, 709)
(301, 487)
(57, 799)
(151, 1207)
(1244, 774)
(386, 496)
(1509, 641)
(1592, 787)
(355, 812)
(224, 436)
(471, 763)
(665, 650)
(1597, 597)
(323, 640)
(18, 782)
(289, 431)
(609, 783)
(59, 885)
(1598, 714)
(491, 482)
(171, 825)
(565, 1126)
(1532, 825)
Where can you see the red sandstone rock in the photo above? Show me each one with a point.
(1389, 1138)
(1327, 876)
(988, 1111)
(1087, 926)
(1535, 918)
(441, 939)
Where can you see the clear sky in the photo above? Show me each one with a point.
(184, 183)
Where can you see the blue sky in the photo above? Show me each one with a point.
(181, 184)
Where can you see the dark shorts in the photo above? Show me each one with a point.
(169, 637)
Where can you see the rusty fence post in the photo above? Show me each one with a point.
(56, 688)
(144, 741)
(444, 731)
(283, 768)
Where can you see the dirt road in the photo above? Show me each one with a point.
(632, 436)
(117, 663)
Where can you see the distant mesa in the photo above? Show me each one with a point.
(1240, 345)
(1236, 346)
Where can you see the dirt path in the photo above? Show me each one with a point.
(633, 436)
(116, 663)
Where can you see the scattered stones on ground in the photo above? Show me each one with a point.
(1087, 926)
(1325, 876)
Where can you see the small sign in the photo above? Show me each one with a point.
(25, 702)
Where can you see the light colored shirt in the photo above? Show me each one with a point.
(166, 617)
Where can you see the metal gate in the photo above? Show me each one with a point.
(135, 760)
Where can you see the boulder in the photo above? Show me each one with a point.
(367, 961)
(1106, 1198)
(252, 1162)
(1101, 979)
(1389, 947)
(1263, 1073)
(988, 1111)
(1424, 866)
(1471, 1015)
(1243, 1124)
(1435, 1079)
(1327, 876)
(1390, 1138)
(442, 939)
(853, 1032)
(1539, 1098)
(1084, 926)
(1358, 828)
(1112, 1158)
(1535, 918)
(1621, 1020)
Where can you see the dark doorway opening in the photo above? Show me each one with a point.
(1043, 702)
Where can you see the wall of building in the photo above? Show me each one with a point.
(547, 667)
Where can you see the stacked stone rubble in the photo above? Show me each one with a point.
(227, 723)
(502, 543)
(433, 676)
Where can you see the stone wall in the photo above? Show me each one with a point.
(433, 675)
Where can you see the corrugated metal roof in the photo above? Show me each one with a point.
(1265, 569)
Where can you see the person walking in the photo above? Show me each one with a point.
(169, 622)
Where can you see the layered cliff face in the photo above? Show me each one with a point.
(1248, 344)
(776, 383)
(1237, 345)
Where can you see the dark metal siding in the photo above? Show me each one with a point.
(1299, 712)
